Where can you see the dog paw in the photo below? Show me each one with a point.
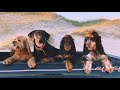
(31, 63)
(109, 69)
(87, 67)
(60, 56)
(43, 61)
(6, 62)
(87, 71)
(108, 66)
(67, 56)
(68, 65)
(46, 60)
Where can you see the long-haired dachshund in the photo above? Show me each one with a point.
(20, 51)
(93, 50)
(42, 49)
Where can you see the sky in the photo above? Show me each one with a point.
(85, 16)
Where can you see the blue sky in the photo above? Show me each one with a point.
(85, 16)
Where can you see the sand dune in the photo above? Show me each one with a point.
(21, 23)
(109, 28)
(12, 24)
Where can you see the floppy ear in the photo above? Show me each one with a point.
(99, 45)
(85, 49)
(12, 51)
(47, 35)
(31, 34)
(28, 47)
(73, 46)
(62, 46)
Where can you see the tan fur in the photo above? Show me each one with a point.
(91, 44)
(89, 33)
(21, 53)
(68, 65)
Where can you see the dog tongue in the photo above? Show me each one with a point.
(40, 45)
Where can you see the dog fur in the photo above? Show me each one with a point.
(20, 51)
(42, 49)
(93, 50)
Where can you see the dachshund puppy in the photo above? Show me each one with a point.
(93, 50)
(42, 49)
(20, 51)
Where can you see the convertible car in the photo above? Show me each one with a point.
(56, 69)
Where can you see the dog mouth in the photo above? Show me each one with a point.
(14, 47)
(90, 47)
(40, 45)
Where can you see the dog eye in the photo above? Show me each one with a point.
(19, 40)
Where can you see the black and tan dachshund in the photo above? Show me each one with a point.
(93, 50)
(42, 49)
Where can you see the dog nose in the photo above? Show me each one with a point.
(13, 42)
(41, 40)
(88, 43)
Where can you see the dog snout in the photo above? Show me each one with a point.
(67, 44)
(88, 42)
(14, 42)
(41, 40)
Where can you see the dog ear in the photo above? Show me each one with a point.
(62, 46)
(31, 34)
(73, 46)
(12, 52)
(99, 45)
(47, 35)
(28, 47)
(85, 49)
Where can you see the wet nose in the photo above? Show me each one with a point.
(13, 42)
